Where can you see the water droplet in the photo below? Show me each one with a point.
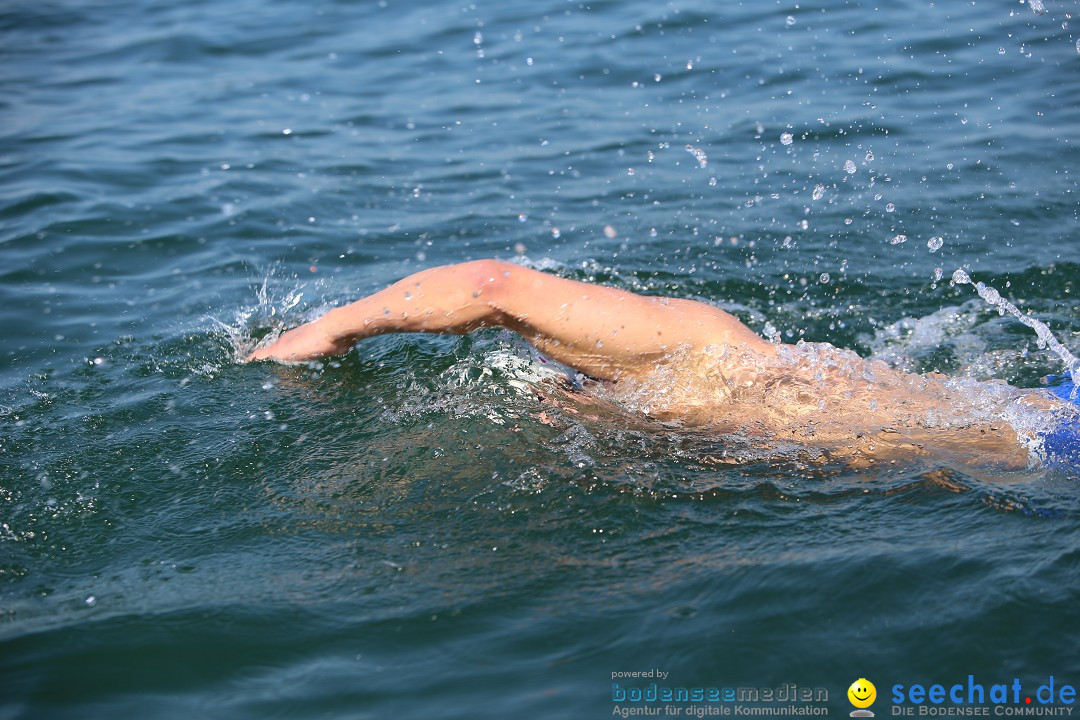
(849, 167)
(960, 277)
(890, 207)
(789, 20)
(1001, 51)
(935, 243)
(90, 601)
(519, 248)
(522, 217)
(1037, 7)
(869, 156)
(712, 182)
(287, 131)
(819, 192)
(609, 232)
(824, 278)
(555, 232)
(698, 154)
(478, 38)
(786, 138)
(897, 239)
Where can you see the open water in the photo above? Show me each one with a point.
(408, 532)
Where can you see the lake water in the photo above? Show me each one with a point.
(400, 533)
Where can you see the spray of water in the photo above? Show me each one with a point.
(1046, 336)
(271, 309)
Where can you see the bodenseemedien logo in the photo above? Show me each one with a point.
(862, 694)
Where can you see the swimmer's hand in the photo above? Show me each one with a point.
(307, 342)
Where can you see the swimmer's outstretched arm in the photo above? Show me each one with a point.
(604, 332)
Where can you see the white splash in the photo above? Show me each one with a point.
(1045, 335)
(269, 309)
(699, 155)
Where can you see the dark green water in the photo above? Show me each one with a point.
(397, 534)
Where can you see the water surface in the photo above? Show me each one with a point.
(410, 531)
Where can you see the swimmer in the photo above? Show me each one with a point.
(693, 364)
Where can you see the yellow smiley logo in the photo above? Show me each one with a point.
(862, 693)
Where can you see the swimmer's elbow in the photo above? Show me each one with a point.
(486, 280)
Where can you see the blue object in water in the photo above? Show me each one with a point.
(1062, 443)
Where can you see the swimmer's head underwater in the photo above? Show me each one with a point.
(701, 365)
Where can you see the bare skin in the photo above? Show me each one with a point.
(604, 332)
(706, 365)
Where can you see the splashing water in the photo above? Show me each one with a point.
(699, 155)
(1046, 336)
(816, 400)
(268, 310)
